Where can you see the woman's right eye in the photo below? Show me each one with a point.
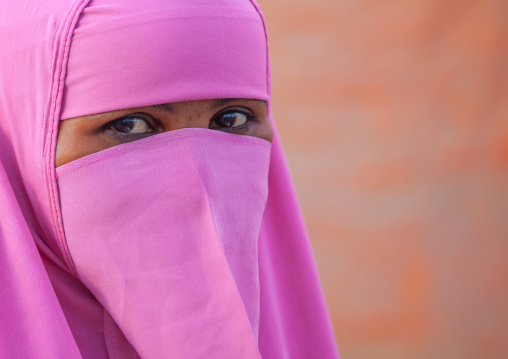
(131, 125)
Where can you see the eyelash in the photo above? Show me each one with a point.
(149, 121)
(250, 119)
(154, 125)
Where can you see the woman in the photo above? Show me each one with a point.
(144, 210)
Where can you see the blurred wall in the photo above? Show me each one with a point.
(394, 118)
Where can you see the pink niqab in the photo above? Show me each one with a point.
(62, 59)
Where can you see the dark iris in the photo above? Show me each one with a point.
(124, 125)
(131, 125)
(231, 119)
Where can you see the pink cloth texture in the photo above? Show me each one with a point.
(86, 270)
(170, 254)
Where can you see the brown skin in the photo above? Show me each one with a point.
(82, 136)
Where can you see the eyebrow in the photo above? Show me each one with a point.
(214, 106)
(224, 101)
(221, 103)
(165, 107)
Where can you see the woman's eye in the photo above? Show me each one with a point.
(131, 125)
(229, 120)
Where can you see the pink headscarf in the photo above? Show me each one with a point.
(62, 59)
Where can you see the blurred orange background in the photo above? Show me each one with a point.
(394, 118)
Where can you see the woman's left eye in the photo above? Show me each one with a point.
(230, 119)
(131, 125)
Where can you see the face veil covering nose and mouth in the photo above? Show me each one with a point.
(186, 244)
(164, 232)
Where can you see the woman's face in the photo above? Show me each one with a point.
(82, 136)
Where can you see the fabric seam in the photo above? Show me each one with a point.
(59, 226)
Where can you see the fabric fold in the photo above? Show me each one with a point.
(168, 253)
(64, 58)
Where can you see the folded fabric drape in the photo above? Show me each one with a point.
(248, 289)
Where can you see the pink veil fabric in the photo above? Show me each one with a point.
(52, 67)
